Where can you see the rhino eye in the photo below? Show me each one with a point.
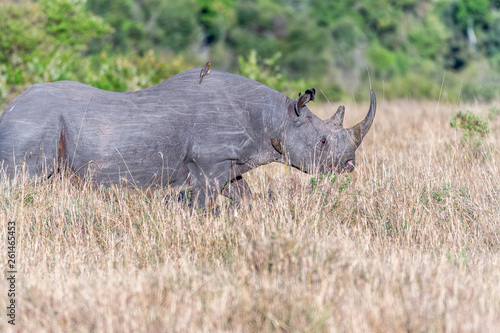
(322, 140)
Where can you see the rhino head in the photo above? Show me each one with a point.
(313, 145)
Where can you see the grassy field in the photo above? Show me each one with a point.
(410, 241)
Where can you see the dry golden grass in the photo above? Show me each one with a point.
(408, 242)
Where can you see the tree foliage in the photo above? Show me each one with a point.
(401, 46)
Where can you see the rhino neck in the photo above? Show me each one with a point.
(275, 121)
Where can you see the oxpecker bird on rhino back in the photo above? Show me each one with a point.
(200, 137)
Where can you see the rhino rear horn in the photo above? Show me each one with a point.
(361, 129)
(304, 99)
(337, 120)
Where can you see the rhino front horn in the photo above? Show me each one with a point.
(360, 130)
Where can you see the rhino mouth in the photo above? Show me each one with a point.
(340, 167)
(349, 166)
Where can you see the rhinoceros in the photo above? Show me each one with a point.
(200, 137)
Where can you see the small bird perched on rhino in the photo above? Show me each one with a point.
(205, 71)
(200, 139)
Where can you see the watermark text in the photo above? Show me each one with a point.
(11, 272)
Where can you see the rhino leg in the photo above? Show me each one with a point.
(206, 183)
(237, 189)
(34, 150)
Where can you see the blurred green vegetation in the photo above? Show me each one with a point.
(474, 128)
(428, 49)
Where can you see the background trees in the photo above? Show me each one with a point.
(405, 47)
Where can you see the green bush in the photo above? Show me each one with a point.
(474, 128)
(23, 32)
(71, 24)
(132, 72)
(268, 72)
(407, 46)
(474, 92)
(387, 64)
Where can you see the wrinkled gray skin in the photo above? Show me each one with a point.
(179, 133)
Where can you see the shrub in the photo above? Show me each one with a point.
(474, 129)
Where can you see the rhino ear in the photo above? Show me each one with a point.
(337, 120)
(311, 92)
(303, 99)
